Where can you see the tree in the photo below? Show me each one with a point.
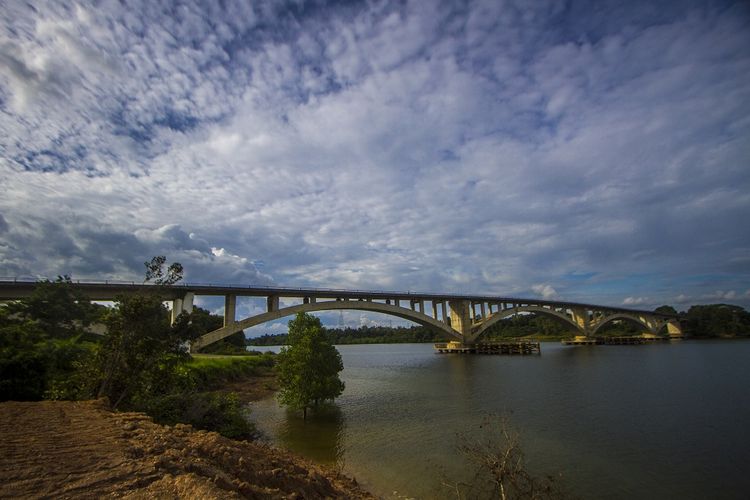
(142, 349)
(204, 322)
(155, 271)
(308, 369)
(59, 309)
(718, 320)
(666, 310)
(43, 343)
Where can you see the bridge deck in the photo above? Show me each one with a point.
(15, 288)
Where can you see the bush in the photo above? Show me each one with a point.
(34, 367)
(222, 413)
(70, 370)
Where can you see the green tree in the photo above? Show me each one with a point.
(666, 310)
(43, 343)
(142, 349)
(718, 320)
(308, 369)
(58, 308)
(204, 322)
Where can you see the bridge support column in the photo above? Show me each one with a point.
(176, 310)
(434, 310)
(445, 312)
(674, 330)
(461, 317)
(272, 303)
(230, 306)
(180, 305)
(581, 318)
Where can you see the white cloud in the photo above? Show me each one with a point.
(380, 146)
(546, 291)
(721, 295)
(635, 301)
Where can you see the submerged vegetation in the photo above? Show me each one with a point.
(500, 470)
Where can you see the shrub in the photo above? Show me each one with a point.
(218, 412)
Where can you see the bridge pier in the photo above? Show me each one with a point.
(583, 321)
(230, 307)
(460, 313)
(272, 303)
(180, 305)
(674, 330)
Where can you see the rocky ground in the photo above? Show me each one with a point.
(80, 449)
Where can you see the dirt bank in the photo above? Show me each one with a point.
(80, 449)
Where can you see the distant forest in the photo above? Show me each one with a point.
(716, 320)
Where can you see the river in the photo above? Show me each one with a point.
(669, 420)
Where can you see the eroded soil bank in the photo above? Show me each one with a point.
(80, 449)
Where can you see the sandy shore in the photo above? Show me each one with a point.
(81, 449)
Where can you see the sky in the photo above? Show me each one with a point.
(593, 151)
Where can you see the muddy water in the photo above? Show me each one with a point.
(651, 421)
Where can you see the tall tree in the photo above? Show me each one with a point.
(666, 310)
(60, 310)
(141, 347)
(308, 369)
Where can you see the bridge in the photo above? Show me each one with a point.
(461, 317)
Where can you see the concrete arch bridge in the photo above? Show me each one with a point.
(462, 317)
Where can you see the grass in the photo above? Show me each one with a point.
(212, 370)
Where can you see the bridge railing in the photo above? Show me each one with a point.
(342, 291)
(31, 279)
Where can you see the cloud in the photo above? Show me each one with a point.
(546, 291)
(721, 295)
(478, 148)
(635, 301)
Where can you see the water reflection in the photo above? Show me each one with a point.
(319, 438)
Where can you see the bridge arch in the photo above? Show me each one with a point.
(505, 313)
(329, 305)
(651, 327)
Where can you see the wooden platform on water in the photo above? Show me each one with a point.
(630, 340)
(526, 347)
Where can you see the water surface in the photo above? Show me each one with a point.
(646, 421)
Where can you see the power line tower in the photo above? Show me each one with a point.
(341, 320)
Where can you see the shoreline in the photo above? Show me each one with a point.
(82, 449)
